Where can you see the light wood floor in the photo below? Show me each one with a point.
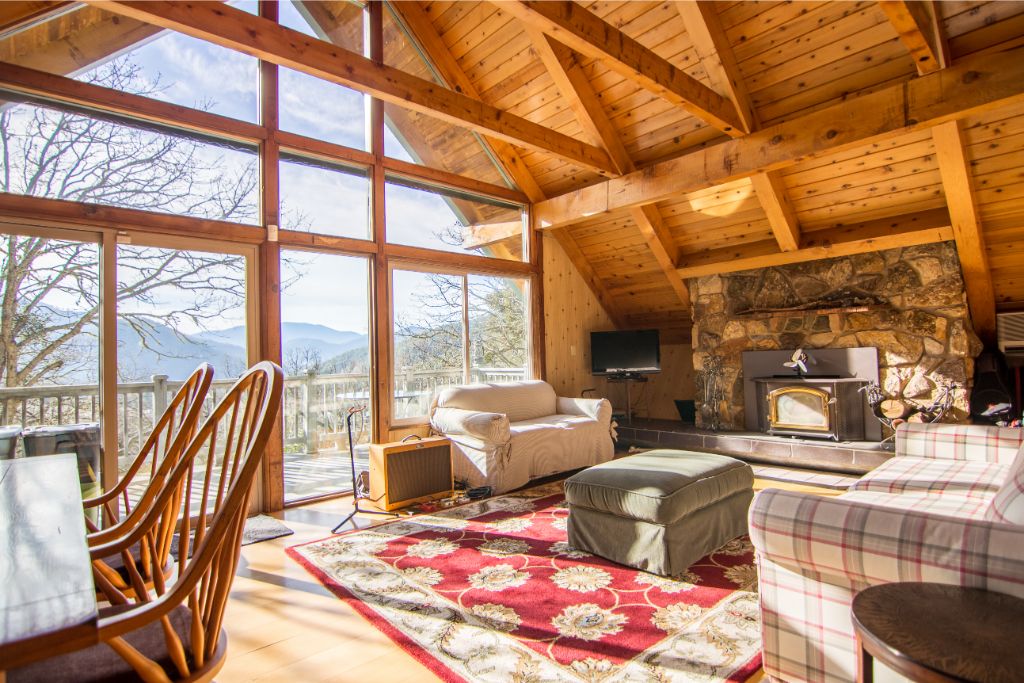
(284, 626)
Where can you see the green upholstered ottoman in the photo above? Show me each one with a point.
(659, 511)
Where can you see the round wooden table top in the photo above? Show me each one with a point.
(937, 632)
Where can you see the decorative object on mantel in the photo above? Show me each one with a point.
(841, 300)
(491, 591)
(798, 362)
(710, 376)
(892, 412)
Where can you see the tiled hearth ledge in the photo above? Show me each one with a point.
(856, 457)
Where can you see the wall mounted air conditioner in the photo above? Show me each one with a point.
(1010, 334)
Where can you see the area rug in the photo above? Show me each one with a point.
(491, 591)
(263, 528)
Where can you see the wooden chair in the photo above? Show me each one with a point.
(177, 634)
(171, 433)
(179, 418)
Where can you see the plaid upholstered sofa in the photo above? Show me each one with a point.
(947, 508)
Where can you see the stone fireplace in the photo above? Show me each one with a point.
(908, 303)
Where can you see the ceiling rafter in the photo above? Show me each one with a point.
(955, 170)
(588, 34)
(235, 29)
(886, 233)
(974, 85)
(19, 16)
(919, 25)
(419, 26)
(704, 27)
(575, 88)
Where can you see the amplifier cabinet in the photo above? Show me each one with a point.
(408, 472)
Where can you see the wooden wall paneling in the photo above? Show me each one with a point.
(970, 87)
(970, 240)
(921, 30)
(240, 31)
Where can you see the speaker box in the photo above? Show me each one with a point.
(408, 472)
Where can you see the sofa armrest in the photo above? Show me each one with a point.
(599, 409)
(491, 428)
(959, 442)
(864, 544)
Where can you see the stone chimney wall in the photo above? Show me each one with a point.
(908, 303)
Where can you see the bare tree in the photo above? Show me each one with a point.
(49, 297)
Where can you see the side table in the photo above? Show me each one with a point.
(933, 632)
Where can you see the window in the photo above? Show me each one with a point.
(447, 220)
(175, 310)
(62, 154)
(320, 109)
(324, 198)
(325, 348)
(451, 329)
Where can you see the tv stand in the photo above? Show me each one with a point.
(626, 378)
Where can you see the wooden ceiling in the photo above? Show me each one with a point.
(663, 140)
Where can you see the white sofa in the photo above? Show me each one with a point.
(947, 508)
(504, 435)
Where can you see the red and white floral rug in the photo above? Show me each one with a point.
(491, 591)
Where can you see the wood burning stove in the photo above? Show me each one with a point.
(821, 407)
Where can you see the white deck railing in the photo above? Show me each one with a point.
(314, 406)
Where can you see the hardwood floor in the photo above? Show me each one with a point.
(284, 626)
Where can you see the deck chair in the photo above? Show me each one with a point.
(177, 633)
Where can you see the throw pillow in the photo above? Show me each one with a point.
(1008, 504)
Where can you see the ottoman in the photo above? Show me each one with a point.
(659, 511)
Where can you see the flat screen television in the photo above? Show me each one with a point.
(629, 352)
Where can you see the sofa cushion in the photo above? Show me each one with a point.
(948, 504)
(519, 400)
(658, 486)
(904, 474)
(1008, 504)
(489, 427)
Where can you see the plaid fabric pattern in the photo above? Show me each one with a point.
(959, 442)
(907, 474)
(1008, 504)
(814, 553)
(949, 504)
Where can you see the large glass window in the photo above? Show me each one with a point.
(447, 220)
(60, 154)
(320, 109)
(434, 346)
(326, 358)
(325, 198)
(49, 362)
(175, 309)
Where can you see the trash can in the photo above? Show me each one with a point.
(81, 439)
(9, 441)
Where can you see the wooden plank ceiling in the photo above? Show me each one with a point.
(626, 87)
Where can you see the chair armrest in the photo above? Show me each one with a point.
(959, 442)
(596, 408)
(491, 428)
(867, 544)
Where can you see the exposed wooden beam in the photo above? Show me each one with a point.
(575, 88)
(887, 233)
(920, 29)
(422, 30)
(771, 192)
(955, 169)
(717, 57)
(486, 234)
(975, 85)
(588, 34)
(235, 29)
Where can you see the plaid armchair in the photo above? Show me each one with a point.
(926, 515)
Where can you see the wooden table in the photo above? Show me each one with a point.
(47, 595)
(932, 632)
